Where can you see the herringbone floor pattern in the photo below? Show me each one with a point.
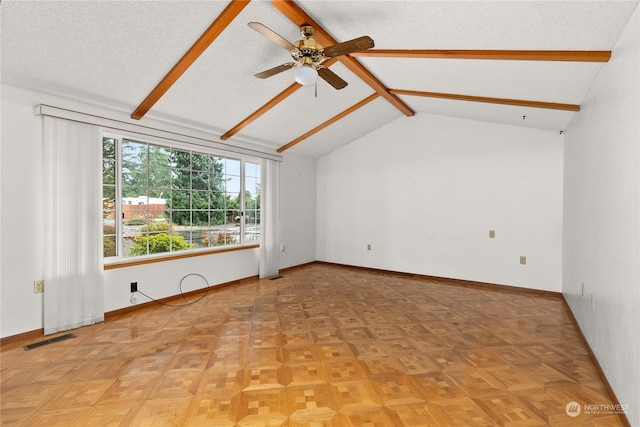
(321, 346)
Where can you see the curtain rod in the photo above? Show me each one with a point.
(114, 124)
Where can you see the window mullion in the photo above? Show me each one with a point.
(242, 202)
(147, 216)
(118, 202)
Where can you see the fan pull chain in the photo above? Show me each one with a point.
(316, 90)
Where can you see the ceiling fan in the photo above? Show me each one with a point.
(308, 55)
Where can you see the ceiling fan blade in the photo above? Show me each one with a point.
(355, 45)
(332, 78)
(271, 35)
(275, 70)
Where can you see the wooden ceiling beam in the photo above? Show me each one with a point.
(260, 111)
(215, 29)
(329, 122)
(505, 101)
(299, 17)
(507, 55)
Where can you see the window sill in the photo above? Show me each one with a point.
(131, 263)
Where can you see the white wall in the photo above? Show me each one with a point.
(297, 210)
(602, 216)
(21, 224)
(21, 227)
(424, 191)
(162, 279)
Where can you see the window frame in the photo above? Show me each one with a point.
(243, 159)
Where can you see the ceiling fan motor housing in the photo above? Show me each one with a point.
(307, 48)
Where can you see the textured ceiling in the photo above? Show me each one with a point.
(116, 52)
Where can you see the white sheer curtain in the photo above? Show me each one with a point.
(72, 197)
(270, 218)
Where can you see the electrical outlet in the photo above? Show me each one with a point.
(134, 287)
(368, 246)
(38, 286)
(523, 260)
(492, 234)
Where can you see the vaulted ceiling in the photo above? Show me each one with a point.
(523, 63)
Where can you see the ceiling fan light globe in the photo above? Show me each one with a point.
(305, 75)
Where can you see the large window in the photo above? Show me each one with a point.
(163, 199)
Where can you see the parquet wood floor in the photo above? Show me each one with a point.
(322, 346)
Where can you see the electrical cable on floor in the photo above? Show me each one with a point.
(181, 293)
